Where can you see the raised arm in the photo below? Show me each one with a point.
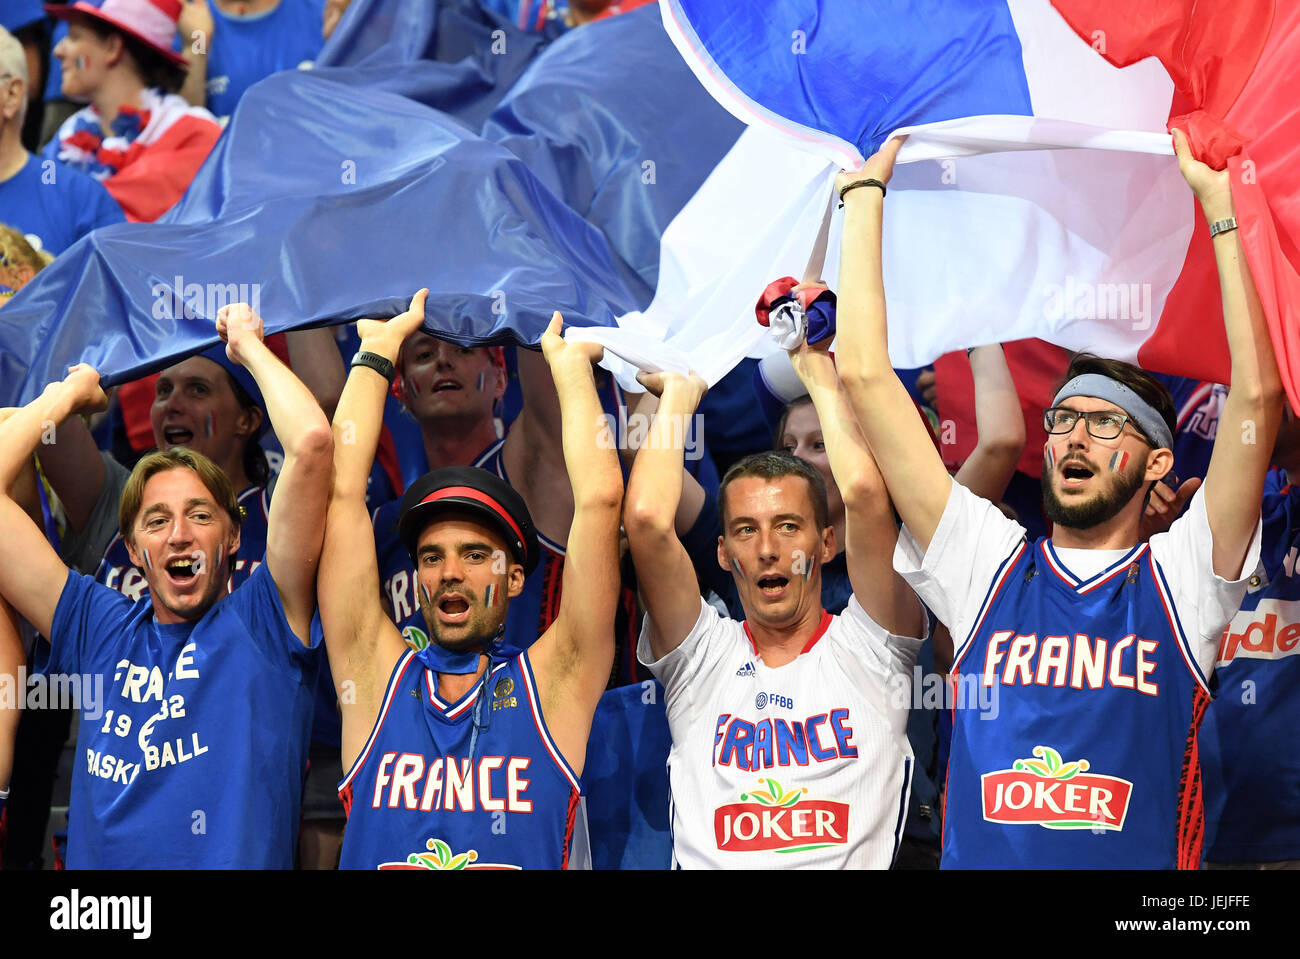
(296, 524)
(314, 358)
(533, 452)
(360, 639)
(75, 470)
(870, 531)
(1000, 425)
(573, 657)
(664, 574)
(31, 575)
(1234, 482)
(913, 471)
(693, 495)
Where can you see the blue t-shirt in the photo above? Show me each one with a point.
(250, 48)
(55, 205)
(193, 752)
(1250, 762)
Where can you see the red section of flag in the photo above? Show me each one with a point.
(1036, 368)
(1233, 69)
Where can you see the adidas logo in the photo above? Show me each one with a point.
(747, 670)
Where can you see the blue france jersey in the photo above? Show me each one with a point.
(249, 48)
(116, 571)
(192, 753)
(1078, 698)
(417, 798)
(1098, 702)
(531, 612)
(54, 206)
(1249, 755)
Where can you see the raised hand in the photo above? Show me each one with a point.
(238, 325)
(559, 351)
(879, 166)
(386, 337)
(1164, 505)
(81, 386)
(692, 384)
(1212, 187)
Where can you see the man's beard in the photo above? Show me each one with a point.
(1097, 509)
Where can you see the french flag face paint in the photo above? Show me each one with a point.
(428, 597)
(737, 568)
(148, 561)
(491, 595)
(1118, 460)
(1049, 457)
(481, 380)
(210, 424)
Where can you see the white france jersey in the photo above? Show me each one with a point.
(804, 765)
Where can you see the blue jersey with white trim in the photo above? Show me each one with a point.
(1249, 754)
(1089, 757)
(417, 798)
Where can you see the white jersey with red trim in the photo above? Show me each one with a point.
(803, 765)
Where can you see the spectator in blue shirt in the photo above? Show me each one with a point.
(52, 205)
(231, 44)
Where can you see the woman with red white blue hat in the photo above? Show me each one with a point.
(137, 136)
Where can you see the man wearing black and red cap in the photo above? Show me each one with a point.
(462, 755)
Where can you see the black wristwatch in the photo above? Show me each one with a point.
(384, 367)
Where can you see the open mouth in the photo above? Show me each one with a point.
(443, 385)
(773, 585)
(176, 435)
(1075, 474)
(453, 609)
(182, 571)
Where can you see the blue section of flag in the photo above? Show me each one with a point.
(370, 196)
(612, 120)
(859, 71)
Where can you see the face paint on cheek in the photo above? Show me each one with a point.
(1118, 460)
(80, 62)
(428, 597)
(148, 561)
(481, 379)
(210, 424)
(221, 554)
(736, 568)
(1049, 457)
(490, 595)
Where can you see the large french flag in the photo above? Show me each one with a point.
(1036, 194)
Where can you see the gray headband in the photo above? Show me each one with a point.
(1139, 410)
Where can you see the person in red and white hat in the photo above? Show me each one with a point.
(137, 135)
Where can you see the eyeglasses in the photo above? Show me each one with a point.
(1102, 424)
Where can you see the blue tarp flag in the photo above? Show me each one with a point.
(613, 122)
(837, 71)
(395, 44)
(324, 202)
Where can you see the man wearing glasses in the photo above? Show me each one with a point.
(1097, 646)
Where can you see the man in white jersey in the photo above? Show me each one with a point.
(789, 729)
